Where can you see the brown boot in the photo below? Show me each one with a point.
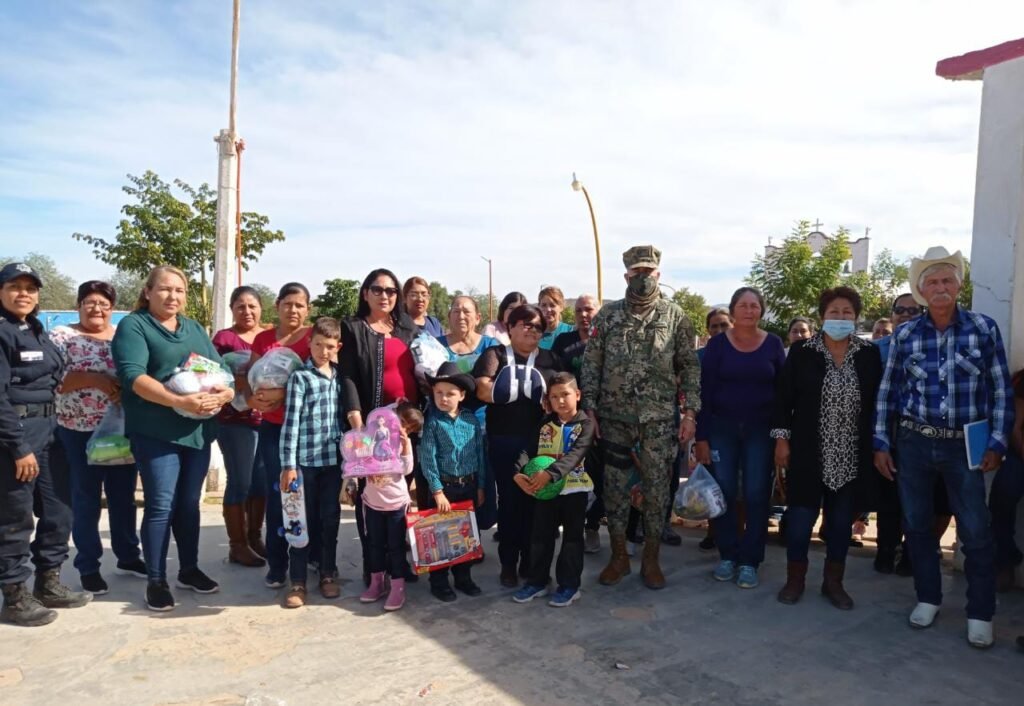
(254, 509)
(238, 547)
(618, 565)
(796, 581)
(650, 571)
(832, 586)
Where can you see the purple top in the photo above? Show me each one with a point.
(738, 386)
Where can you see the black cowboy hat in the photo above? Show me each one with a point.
(449, 372)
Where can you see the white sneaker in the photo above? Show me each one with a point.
(979, 633)
(592, 541)
(923, 615)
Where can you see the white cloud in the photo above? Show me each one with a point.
(421, 137)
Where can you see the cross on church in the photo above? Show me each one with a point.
(817, 225)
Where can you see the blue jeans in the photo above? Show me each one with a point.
(172, 484)
(1003, 498)
(242, 464)
(748, 446)
(838, 518)
(322, 488)
(277, 546)
(87, 484)
(921, 461)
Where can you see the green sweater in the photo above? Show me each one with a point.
(142, 346)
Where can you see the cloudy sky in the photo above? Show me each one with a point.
(422, 135)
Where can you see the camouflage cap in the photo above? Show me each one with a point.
(642, 256)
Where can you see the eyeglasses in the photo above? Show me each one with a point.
(101, 306)
(527, 326)
(419, 295)
(906, 310)
(376, 290)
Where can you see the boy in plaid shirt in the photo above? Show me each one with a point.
(309, 440)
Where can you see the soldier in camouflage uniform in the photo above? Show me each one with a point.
(639, 360)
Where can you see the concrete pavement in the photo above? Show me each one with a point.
(698, 641)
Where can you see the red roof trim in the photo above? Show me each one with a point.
(970, 66)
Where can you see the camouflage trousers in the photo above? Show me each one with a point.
(653, 446)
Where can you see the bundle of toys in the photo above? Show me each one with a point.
(108, 446)
(273, 368)
(198, 374)
(439, 540)
(700, 497)
(238, 362)
(375, 449)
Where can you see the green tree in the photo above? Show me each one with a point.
(695, 306)
(127, 286)
(59, 292)
(792, 276)
(967, 288)
(886, 280)
(569, 315)
(340, 298)
(161, 229)
(267, 298)
(440, 301)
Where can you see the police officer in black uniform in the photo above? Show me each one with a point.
(33, 472)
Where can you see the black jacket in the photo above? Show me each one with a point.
(798, 409)
(31, 367)
(361, 362)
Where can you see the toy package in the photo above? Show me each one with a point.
(538, 464)
(108, 446)
(376, 448)
(440, 540)
(198, 374)
(237, 362)
(273, 369)
(700, 497)
(428, 354)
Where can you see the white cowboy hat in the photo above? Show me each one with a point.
(937, 255)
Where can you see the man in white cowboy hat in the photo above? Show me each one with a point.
(943, 371)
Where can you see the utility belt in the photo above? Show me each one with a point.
(458, 480)
(930, 432)
(28, 411)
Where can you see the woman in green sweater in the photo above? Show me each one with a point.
(172, 451)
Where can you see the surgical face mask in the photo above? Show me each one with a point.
(838, 329)
(643, 284)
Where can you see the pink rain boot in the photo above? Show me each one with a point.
(396, 598)
(376, 590)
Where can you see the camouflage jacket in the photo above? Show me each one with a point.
(634, 369)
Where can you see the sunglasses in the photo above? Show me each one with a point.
(906, 310)
(376, 290)
(527, 326)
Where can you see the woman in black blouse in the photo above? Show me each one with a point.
(823, 432)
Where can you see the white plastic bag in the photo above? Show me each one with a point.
(273, 369)
(238, 363)
(198, 374)
(699, 498)
(428, 353)
(108, 445)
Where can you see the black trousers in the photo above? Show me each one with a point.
(48, 498)
(570, 512)
(460, 572)
(385, 532)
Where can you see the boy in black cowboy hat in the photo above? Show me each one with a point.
(453, 461)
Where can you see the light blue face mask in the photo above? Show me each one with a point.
(838, 329)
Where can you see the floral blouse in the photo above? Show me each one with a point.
(82, 410)
(840, 410)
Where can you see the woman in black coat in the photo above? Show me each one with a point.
(376, 363)
(823, 432)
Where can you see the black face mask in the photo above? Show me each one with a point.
(642, 285)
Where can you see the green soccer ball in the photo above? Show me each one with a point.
(540, 463)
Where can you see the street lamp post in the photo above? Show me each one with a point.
(490, 287)
(577, 186)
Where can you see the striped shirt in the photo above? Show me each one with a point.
(946, 379)
(312, 426)
(452, 446)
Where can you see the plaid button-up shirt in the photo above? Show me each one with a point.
(452, 446)
(946, 379)
(312, 425)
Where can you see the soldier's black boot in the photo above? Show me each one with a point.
(22, 608)
(53, 594)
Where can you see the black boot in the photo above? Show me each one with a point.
(22, 608)
(53, 594)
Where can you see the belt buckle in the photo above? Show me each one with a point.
(928, 432)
